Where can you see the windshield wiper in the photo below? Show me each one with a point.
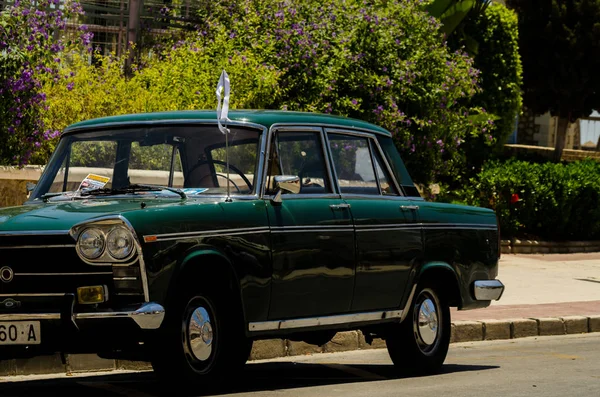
(131, 189)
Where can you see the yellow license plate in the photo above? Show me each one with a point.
(20, 333)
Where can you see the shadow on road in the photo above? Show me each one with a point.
(255, 377)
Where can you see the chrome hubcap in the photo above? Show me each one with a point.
(427, 322)
(200, 334)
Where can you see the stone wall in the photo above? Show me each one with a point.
(13, 184)
(547, 152)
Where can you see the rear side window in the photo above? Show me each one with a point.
(359, 167)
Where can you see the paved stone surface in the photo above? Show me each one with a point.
(523, 327)
(467, 331)
(500, 312)
(262, 349)
(576, 324)
(551, 326)
(594, 323)
(496, 329)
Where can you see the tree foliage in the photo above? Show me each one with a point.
(31, 47)
(497, 56)
(560, 47)
(384, 62)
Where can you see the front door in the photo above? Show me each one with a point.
(312, 232)
(388, 234)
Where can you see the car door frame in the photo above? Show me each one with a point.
(401, 197)
(333, 195)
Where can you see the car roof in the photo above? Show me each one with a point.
(266, 118)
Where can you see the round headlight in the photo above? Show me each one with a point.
(119, 243)
(91, 243)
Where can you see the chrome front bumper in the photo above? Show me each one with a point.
(147, 316)
(488, 290)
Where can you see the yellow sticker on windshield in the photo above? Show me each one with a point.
(93, 181)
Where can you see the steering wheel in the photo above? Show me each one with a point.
(231, 167)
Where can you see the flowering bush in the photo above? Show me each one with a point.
(30, 51)
(384, 62)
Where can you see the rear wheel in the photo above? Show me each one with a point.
(202, 342)
(420, 343)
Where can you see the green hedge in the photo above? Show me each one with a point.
(548, 201)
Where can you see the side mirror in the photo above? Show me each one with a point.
(287, 184)
(30, 186)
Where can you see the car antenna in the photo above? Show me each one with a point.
(222, 112)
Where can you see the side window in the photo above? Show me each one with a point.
(385, 181)
(299, 154)
(354, 166)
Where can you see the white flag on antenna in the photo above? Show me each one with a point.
(223, 110)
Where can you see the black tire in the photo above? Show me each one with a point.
(201, 342)
(421, 350)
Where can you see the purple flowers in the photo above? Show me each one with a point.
(30, 30)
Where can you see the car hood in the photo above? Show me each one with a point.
(62, 216)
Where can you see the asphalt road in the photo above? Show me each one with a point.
(541, 366)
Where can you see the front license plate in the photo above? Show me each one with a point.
(20, 333)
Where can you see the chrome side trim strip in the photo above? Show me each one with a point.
(323, 321)
(38, 246)
(309, 227)
(148, 316)
(34, 233)
(124, 278)
(29, 316)
(64, 274)
(31, 295)
(313, 230)
(210, 233)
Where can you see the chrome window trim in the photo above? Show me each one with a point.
(389, 169)
(372, 140)
(273, 325)
(369, 196)
(370, 144)
(145, 123)
(334, 126)
(275, 128)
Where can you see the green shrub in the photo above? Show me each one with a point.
(555, 201)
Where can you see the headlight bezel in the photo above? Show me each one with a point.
(105, 227)
(80, 246)
(131, 244)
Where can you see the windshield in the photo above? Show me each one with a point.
(155, 160)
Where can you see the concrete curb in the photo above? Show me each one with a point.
(462, 331)
(516, 246)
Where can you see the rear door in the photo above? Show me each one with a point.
(388, 233)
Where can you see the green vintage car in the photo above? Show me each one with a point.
(157, 237)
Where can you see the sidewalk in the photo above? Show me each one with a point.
(551, 285)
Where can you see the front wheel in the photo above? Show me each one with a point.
(202, 343)
(420, 343)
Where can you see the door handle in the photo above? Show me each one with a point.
(409, 207)
(339, 207)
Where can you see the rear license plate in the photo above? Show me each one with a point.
(20, 333)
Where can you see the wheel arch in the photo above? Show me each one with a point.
(442, 272)
(207, 262)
